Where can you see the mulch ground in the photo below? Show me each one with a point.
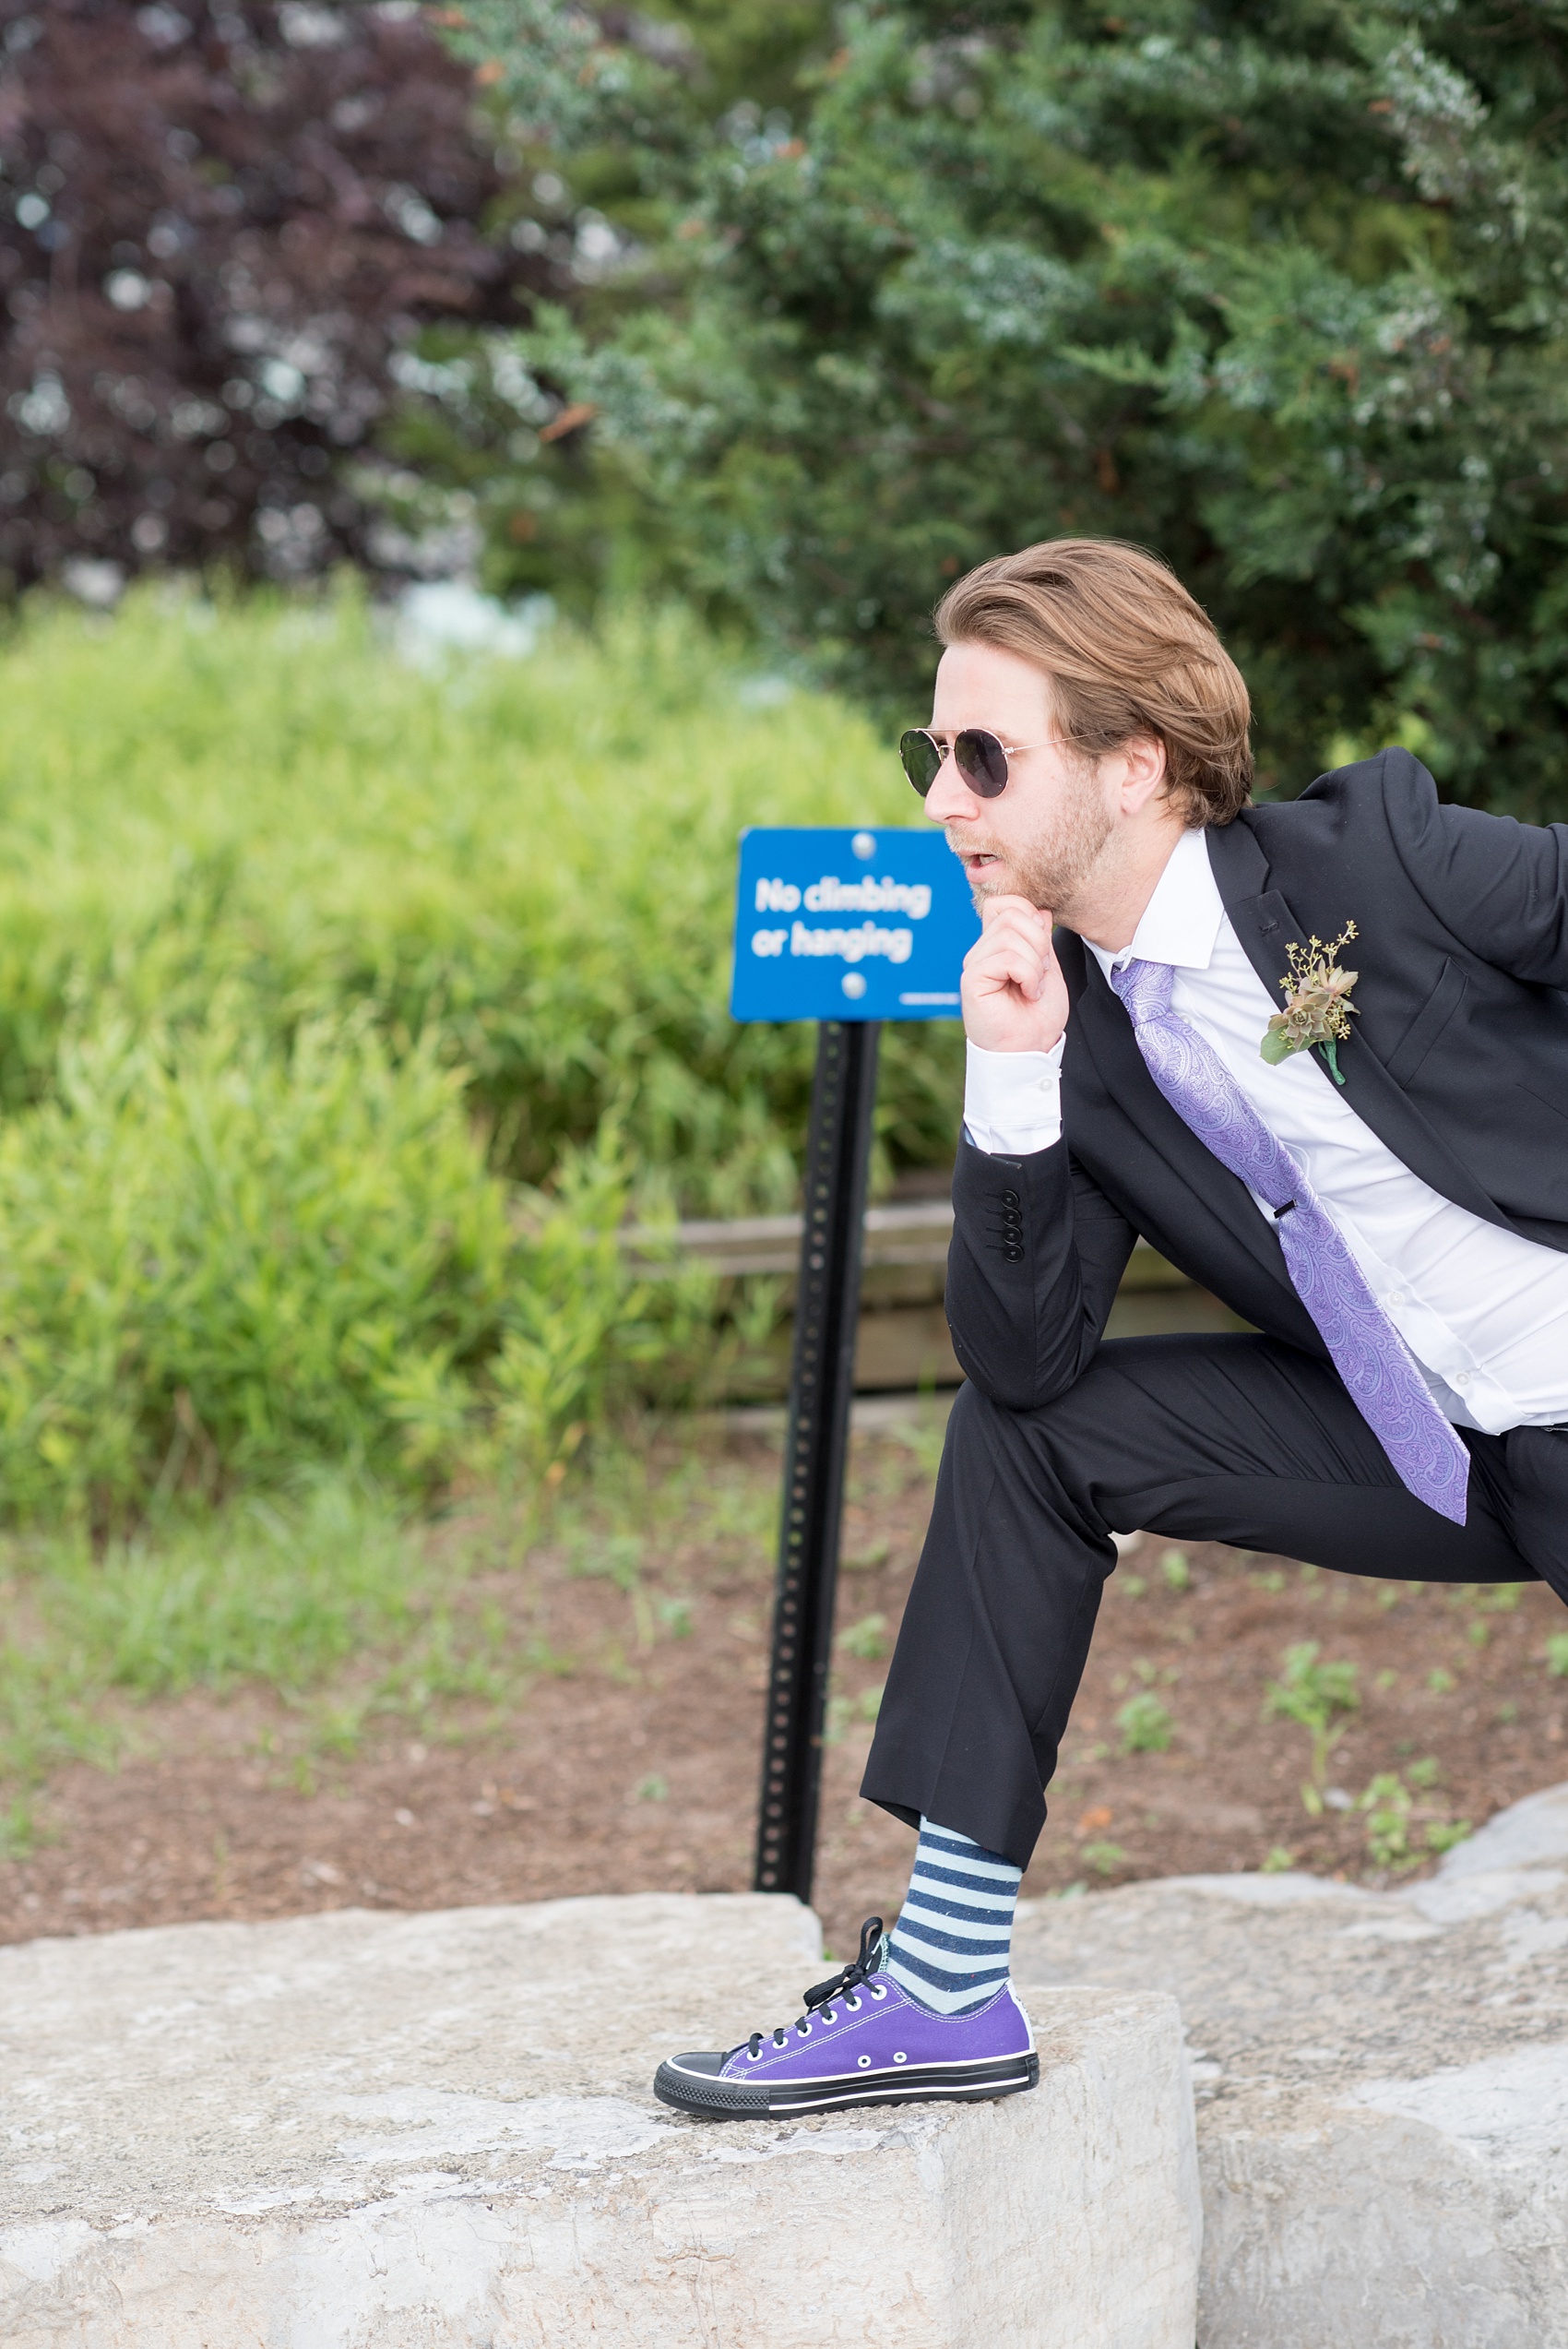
(631, 1763)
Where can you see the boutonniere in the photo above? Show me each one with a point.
(1317, 1003)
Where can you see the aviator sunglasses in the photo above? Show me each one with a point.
(979, 757)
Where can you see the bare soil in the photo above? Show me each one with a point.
(630, 1763)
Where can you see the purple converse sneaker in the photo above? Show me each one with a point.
(860, 2042)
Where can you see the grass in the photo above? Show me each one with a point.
(341, 1599)
(287, 1591)
(345, 1011)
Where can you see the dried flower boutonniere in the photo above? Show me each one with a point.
(1317, 1005)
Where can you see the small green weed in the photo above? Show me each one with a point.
(866, 1640)
(1104, 1858)
(1556, 1654)
(1387, 1803)
(1176, 1572)
(18, 1829)
(1315, 1695)
(1146, 1725)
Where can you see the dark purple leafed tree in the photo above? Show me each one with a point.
(222, 223)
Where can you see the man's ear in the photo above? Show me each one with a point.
(1144, 772)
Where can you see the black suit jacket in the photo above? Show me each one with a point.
(1458, 1060)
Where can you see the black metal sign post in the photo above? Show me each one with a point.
(821, 1382)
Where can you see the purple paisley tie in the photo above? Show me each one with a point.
(1367, 1351)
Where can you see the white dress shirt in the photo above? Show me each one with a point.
(1484, 1312)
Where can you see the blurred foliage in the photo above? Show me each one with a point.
(339, 1000)
(224, 222)
(1278, 287)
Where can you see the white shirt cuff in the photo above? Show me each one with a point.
(1013, 1100)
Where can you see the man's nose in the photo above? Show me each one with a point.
(950, 797)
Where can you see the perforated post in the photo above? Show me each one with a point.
(821, 1383)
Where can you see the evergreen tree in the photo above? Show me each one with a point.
(1276, 287)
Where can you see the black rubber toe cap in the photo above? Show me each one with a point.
(711, 2061)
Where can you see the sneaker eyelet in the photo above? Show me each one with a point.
(881, 1992)
(853, 2005)
(829, 2015)
(900, 2060)
(803, 2029)
(863, 2061)
(753, 2054)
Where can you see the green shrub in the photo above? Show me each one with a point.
(525, 866)
(347, 1011)
(219, 1258)
(222, 1257)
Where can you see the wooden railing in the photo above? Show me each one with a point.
(903, 1338)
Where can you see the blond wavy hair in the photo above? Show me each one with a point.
(1126, 650)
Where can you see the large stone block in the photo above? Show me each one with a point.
(356, 2131)
(1382, 2086)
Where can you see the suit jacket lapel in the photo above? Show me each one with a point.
(1264, 922)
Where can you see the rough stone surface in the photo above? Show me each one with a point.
(1381, 2083)
(356, 2131)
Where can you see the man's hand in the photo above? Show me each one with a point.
(1014, 995)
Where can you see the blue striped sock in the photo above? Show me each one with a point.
(948, 1951)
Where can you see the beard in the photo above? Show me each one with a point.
(1051, 867)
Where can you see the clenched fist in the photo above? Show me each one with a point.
(1014, 995)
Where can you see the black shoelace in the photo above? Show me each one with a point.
(821, 1994)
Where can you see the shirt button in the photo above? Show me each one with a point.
(1396, 1296)
(1461, 1378)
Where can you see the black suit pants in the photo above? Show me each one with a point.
(1236, 1439)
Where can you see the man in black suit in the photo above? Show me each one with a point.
(1443, 1155)
(1364, 1153)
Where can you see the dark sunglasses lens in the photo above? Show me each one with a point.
(981, 761)
(922, 760)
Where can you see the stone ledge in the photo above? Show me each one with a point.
(358, 2131)
(1382, 2087)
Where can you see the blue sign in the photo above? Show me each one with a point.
(832, 924)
